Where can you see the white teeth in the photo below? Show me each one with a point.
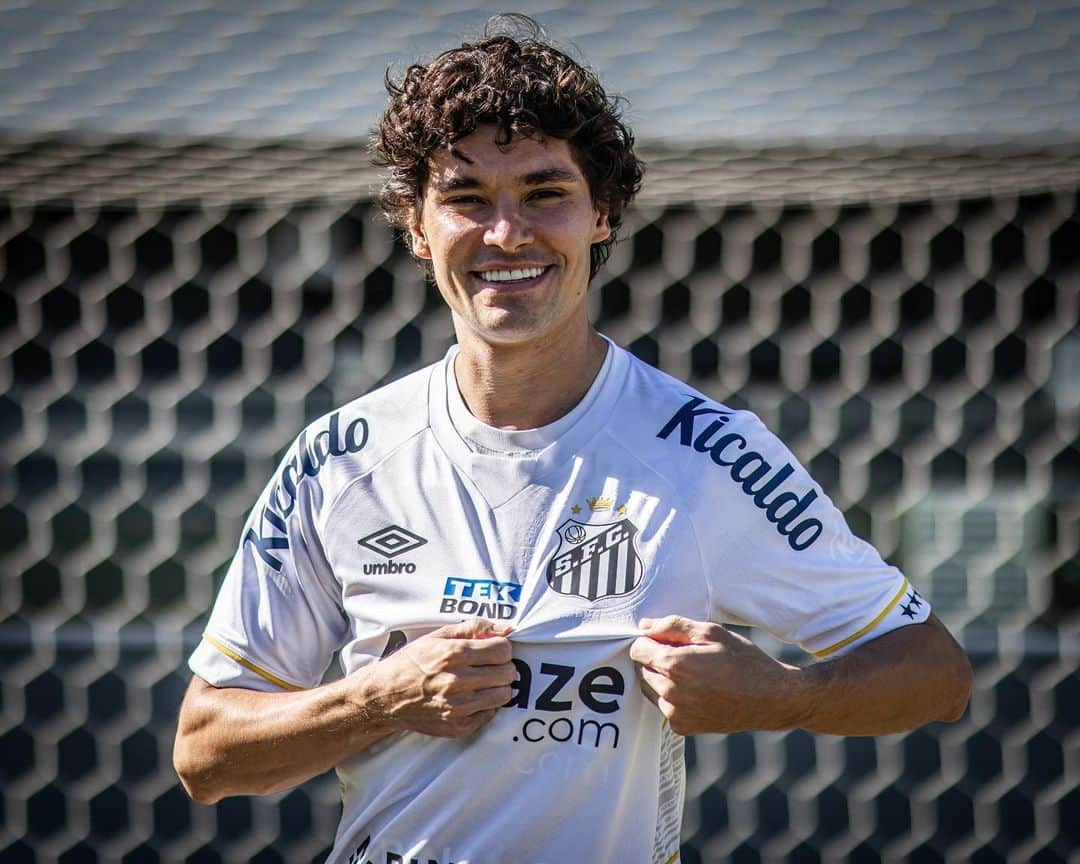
(511, 275)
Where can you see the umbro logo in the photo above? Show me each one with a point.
(391, 541)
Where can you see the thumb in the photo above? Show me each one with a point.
(472, 628)
(675, 630)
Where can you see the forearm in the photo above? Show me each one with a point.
(911, 676)
(233, 741)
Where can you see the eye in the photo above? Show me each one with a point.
(541, 194)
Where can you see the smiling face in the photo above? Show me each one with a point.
(508, 232)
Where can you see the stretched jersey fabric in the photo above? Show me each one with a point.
(384, 521)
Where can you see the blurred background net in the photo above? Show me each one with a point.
(860, 221)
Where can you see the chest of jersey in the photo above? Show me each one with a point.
(578, 554)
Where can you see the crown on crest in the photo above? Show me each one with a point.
(600, 504)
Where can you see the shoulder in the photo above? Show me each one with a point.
(661, 417)
(717, 456)
(369, 427)
(678, 417)
(391, 413)
(352, 440)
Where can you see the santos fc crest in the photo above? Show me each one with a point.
(595, 561)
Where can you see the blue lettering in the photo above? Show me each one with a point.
(262, 544)
(322, 451)
(453, 584)
(273, 518)
(772, 512)
(762, 493)
(310, 466)
(335, 448)
(487, 588)
(289, 480)
(747, 479)
(684, 420)
(750, 470)
(701, 443)
(812, 525)
(351, 444)
(722, 444)
(279, 500)
(282, 495)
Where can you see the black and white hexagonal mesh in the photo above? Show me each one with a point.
(870, 235)
(920, 357)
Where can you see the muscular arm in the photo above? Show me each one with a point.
(234, 741)
(707, 679)
(910, 676)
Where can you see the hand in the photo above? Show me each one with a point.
(450, 682)
(704, 678)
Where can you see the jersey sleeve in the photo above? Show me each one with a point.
(779, 555)
(278, 619)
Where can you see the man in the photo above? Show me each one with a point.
(526, 552)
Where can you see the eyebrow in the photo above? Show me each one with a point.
(453, 184)
(533, 178)
(549, 175)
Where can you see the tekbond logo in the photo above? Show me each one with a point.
(484, 598)
(391, 541)
(595, 561)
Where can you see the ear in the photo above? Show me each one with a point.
(601, 228)
(417, 238)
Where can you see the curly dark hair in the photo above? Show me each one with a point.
(524, 86)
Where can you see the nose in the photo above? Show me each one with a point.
(509, 229)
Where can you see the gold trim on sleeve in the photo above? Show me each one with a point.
(888, 608)
(247, 664)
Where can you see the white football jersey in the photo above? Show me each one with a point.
(400, 513)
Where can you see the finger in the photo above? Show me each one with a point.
(493, 651)
(488, 699)
(473, 628)
(650, 694)
(481, 718)
(659, 684)
(677, 630)
(463, 724)
(666, 708)
(648, 652)
(662, 704)
(481, 677)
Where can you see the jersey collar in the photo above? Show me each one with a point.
(499, 476)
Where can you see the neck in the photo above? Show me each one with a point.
(525, 386)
